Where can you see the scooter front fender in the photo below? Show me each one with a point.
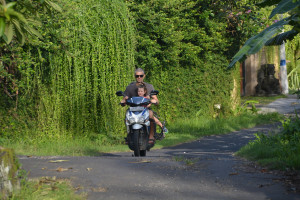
(136, 126)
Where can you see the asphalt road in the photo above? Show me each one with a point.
(204, 169)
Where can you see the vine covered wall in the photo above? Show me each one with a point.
(70, 76)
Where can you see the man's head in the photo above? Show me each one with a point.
(139, 75)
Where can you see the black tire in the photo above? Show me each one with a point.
(143, 152)
(136, 146)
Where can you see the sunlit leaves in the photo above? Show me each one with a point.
(13, 23)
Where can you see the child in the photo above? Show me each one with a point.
(142, 92)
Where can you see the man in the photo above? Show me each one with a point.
(131, 91)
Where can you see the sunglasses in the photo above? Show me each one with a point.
(141, 76)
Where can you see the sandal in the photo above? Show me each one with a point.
(151, 141)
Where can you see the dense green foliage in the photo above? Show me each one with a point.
(66, 82)
(63, 84)
(189, 43)
(96, 59)
(279, 150)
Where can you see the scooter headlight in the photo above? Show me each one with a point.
(131, 120)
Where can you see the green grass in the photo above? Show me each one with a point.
(186, 130)
(276, 150)
(46, 188)
(261, 100)
(180, 131)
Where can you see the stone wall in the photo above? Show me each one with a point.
(253, 64)
(8, 172)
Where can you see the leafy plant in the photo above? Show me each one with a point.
(276, 150)
(255, 43)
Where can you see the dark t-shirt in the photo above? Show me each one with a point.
(131, 90)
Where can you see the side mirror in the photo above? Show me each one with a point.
(119, 93)
(154, 92)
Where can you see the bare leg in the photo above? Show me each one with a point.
(151, 136)
(152, 124)
(157, 122)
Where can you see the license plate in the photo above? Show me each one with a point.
(134, 109)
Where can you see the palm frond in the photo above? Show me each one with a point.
(268, 3)
(32, 31)
(9, 32)
(18, 30)
(279, 39)
(283, 7)
(255, 43)
(2, 26)
(53, 5)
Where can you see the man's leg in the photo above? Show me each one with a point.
(152, 124)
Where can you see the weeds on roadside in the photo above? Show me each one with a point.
(276, 150)
(187, 161)
(46, 188)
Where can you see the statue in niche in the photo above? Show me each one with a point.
(267, 83)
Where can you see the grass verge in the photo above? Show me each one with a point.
(276, 150)
(261, 100)
(180, 131)
(46, 188)
(186, 130)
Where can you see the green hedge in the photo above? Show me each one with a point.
(67, 80)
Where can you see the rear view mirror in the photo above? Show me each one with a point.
(154, 92)
(119, 93)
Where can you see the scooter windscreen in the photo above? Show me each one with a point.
(137, 101)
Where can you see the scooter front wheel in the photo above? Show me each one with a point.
(143, 152)
(136, 146)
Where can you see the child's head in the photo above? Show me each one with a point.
(142, 90)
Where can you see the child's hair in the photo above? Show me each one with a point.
(144, 87)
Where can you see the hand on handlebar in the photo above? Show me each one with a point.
(153, 101)
(123, 101)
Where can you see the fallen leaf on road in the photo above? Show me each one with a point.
(233, 173)
(99, 189)
(44, 168)
(57, 161)
(89, 169)
(263, 170)
(60, 169)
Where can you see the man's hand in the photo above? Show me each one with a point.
(153, 101)
(123, 101)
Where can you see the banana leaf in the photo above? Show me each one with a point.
(279, 39)
(255, 43)
(283, 7)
